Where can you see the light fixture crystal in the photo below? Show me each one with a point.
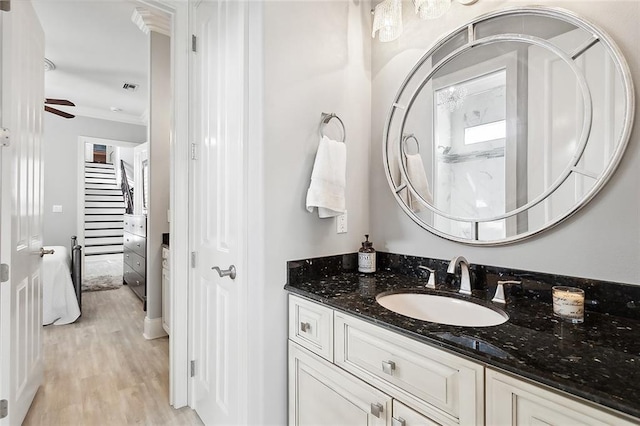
(431, 9)
(387, 20)
(452, 98)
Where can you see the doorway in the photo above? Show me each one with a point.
(178, 184)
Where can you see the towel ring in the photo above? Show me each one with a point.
(405, 138)
(325, 118)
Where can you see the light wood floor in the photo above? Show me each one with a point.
(101, 371)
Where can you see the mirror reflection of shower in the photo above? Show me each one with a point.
(470, 144)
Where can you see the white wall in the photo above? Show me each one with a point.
(602, 241)
(316, 59)
(159, 137)
(60, 167)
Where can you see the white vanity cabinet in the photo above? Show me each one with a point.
(346, 371)
(166, 291)
(512, 401)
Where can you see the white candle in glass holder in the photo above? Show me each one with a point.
(568, 303)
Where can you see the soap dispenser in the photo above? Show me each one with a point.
(367, 257)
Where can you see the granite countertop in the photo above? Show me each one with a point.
(598, 360)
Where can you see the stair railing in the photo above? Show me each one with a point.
(127, 191)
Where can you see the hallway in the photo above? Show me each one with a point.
(100, 370)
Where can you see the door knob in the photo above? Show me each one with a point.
(43, 251)
(231, 272)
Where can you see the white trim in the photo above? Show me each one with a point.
(179, 269)
(152, 19)
(257, 344)
(153, 328)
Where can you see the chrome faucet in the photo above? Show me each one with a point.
(465, 280)
(431, 282)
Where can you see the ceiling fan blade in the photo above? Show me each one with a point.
(59, 102)
(58, 112)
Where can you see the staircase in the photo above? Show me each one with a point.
(103, 210)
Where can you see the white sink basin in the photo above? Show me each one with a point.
(442, 309)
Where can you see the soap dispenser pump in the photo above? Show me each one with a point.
(367, 257)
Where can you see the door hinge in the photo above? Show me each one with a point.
(193, 259)
(192, 367)
(4, 408)
(4, 273)
(5, 136)
(193, 43)
(194, 152)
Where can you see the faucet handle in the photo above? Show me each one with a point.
(431, 283)
(499, 296)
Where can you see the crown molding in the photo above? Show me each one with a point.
(152, 20)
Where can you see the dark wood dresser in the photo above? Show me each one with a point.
(135, 253)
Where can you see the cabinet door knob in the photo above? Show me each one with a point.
(398, 421)
(388, 367)
(376, 409)
(305, 326)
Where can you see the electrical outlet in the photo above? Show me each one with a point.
(341, 223)
(57, 209)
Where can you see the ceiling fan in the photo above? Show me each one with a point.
(56, 111)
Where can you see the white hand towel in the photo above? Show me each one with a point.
(328, 179)
(418, 178)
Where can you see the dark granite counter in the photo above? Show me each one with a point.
(598, 360)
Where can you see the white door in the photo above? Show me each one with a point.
(21, 360)
(218, 217)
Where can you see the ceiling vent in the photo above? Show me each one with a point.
(130, 87)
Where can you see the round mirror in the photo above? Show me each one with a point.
(508, 125)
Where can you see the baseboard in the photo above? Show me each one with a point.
(153, 328)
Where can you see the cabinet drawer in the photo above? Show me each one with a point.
(135, 281)
(139, 226)
(135, 243)
(136, 262)
(127, 223)
(311, 326)
(405, 416)
(136, 225)
(447, 388)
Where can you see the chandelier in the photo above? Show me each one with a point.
(452, 98)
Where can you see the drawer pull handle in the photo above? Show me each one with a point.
(376, 409)
(138, 263)
(305, 326)
(388, 367)
(398, 421)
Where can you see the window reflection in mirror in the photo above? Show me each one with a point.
(470, 139)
